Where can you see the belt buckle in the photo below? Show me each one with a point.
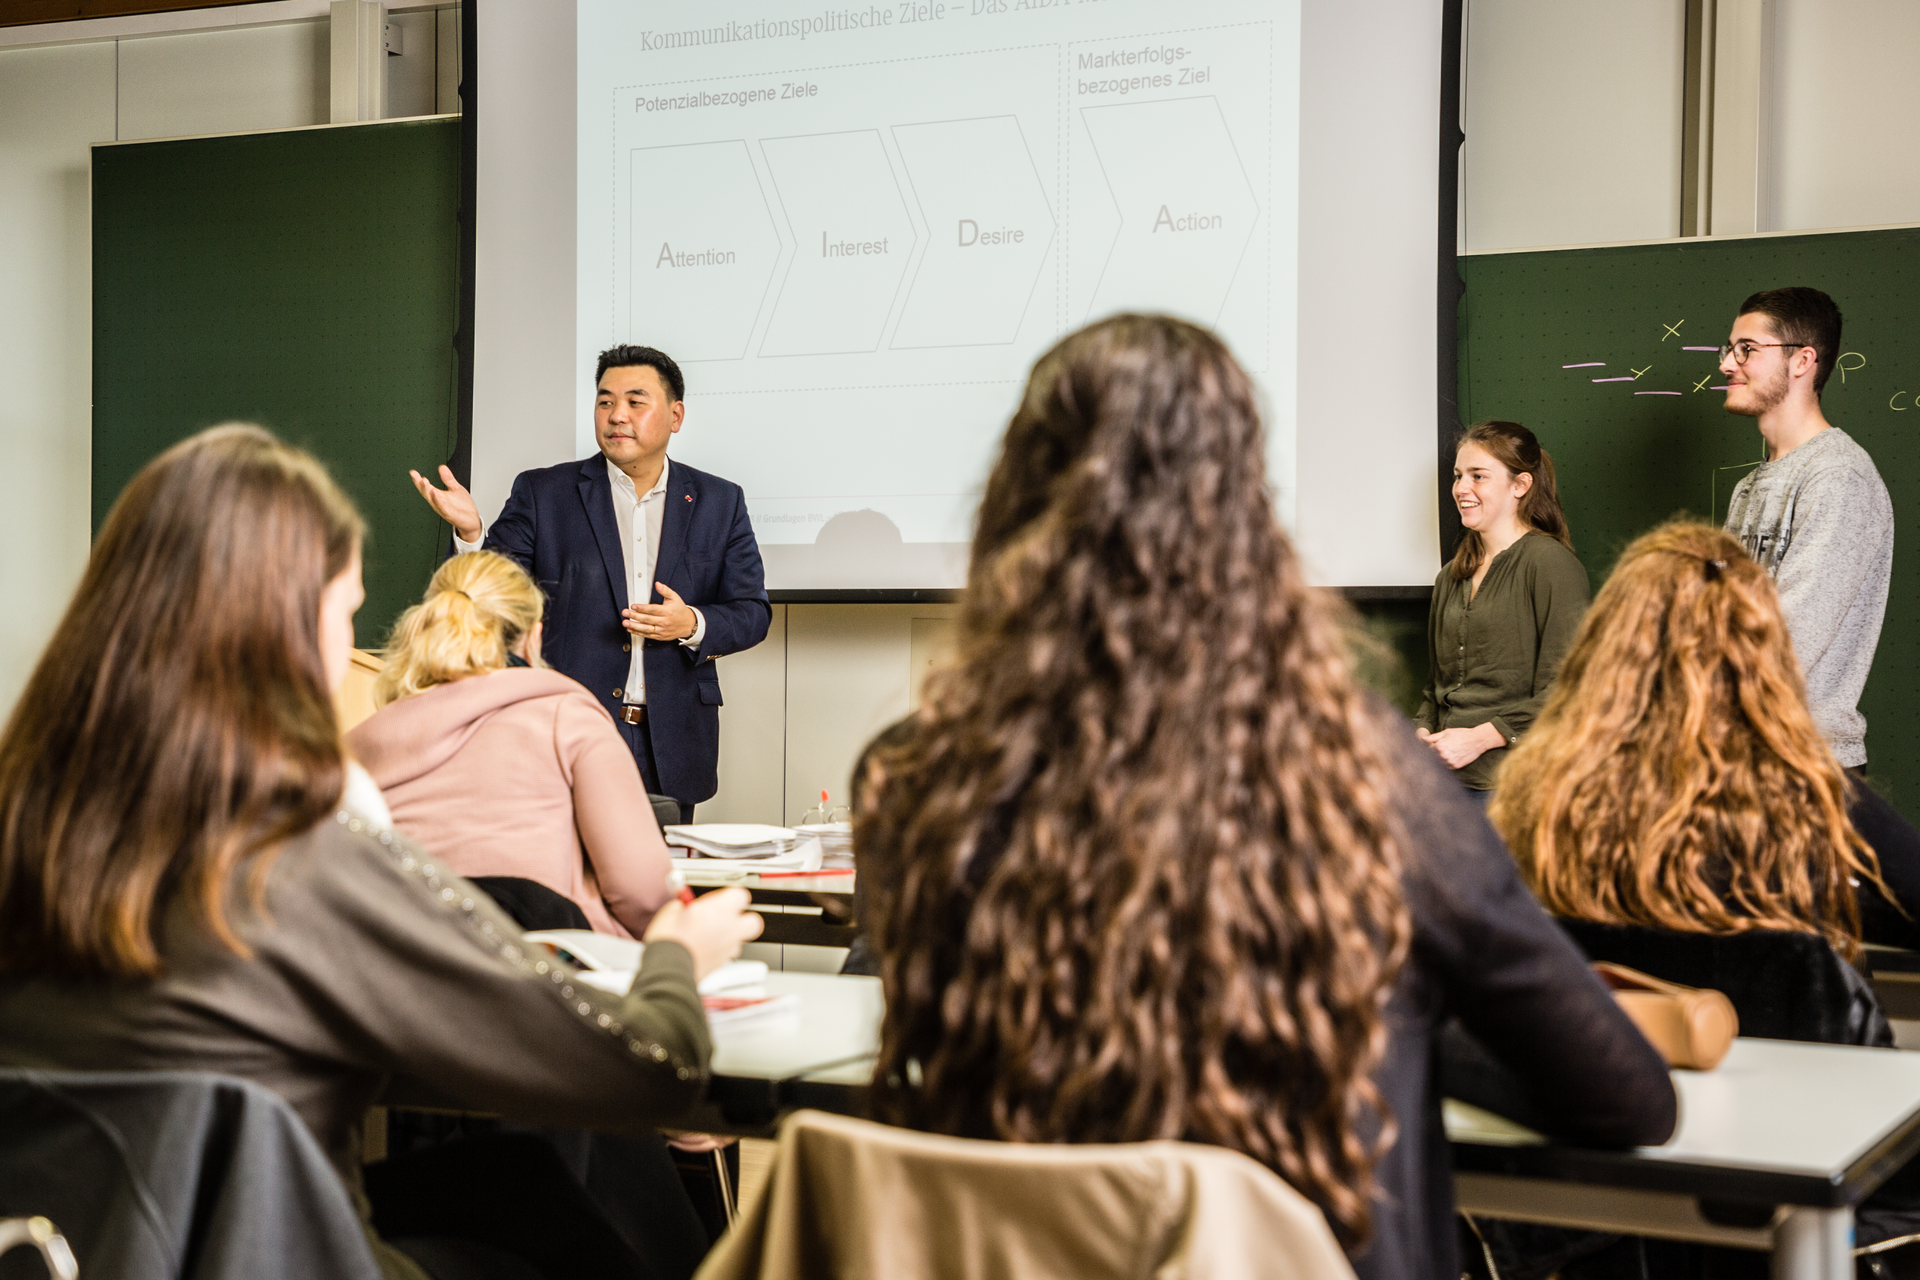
(632, 714)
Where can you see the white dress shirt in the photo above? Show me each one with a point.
(640, 552)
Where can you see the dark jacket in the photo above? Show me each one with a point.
(1483, 952)
(156, 1175)
(558, 523)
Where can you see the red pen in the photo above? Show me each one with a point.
(678, 882)
(824, 871)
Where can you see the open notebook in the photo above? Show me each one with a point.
(730, 993)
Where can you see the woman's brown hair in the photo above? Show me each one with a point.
(1518, 450)
(179, 723)
(1675, 778)
(1132, 868)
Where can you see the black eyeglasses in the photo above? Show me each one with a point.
(1743, 350)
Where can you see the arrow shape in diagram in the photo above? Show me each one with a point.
(1187, 210)
(851, 237)
(703, 252)
(989, 227)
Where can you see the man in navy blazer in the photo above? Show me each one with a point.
(626, 525)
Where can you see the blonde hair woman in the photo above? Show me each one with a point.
(501, 767)
(1675, 779)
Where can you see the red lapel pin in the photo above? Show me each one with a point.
(689, 497)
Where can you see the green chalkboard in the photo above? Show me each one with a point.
(306, 280)
(1542, 335)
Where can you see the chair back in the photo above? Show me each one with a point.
(353, 700)
(1784, 986)
(532, 905)
(852, 1198)
(155, 1175)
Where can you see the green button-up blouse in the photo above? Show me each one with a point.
(1492, 657)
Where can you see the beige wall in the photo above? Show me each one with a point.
(1572, 113)
(1846, 107)
(802, 705)
(1572, 116)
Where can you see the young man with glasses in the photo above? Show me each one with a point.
(1815, 514)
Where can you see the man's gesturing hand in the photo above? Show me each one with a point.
(672, 620)
(453, 503)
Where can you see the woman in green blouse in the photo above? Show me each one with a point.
(1504, 608)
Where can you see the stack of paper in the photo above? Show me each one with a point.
(734, 839)
(836, 840)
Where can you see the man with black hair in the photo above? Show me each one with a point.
(650, 568)
(1815, 514)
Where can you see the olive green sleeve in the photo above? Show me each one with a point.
(1428, 717)
(1558, 591)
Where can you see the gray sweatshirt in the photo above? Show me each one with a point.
(1819, 520)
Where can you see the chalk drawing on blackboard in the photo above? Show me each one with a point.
(1621, 379)
(1656, 393)
(1699, 348)
(1637, 372)
(1591, 364)
(1713, 498)
(1672, 330)
(1702, 384)
(1842, 365)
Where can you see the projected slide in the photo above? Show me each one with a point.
(856, 228)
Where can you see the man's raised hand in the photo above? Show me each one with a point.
(453, 503)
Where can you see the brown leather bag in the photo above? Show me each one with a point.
(1692, 1027)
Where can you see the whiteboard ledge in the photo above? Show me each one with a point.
(298, 128)
(1630, 244)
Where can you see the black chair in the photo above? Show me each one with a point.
(164, 1174)
(1784, 986)
(666, 810)
(532, 905)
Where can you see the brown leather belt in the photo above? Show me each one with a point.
(632, 714)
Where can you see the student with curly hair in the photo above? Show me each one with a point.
(1149, 864)
(1676, 779)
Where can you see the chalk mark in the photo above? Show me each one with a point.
(1638, 372)
(1656, 393)
(1842, 365)
(1613, 379)
(1591, 364)
(1672, 330)
(1700, 385)
(1699, 348)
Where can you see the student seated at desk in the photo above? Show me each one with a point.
(189, 879)
(1676, 782)
(1148, 863)
(1676, 779)
(504, 768)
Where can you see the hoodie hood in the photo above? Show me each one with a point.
(414, 736)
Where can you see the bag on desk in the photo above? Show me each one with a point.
(1691, 1026)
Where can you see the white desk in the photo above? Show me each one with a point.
(1774, 1149)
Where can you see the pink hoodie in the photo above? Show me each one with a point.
(517, 773)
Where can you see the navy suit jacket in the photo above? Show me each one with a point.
(558, 523)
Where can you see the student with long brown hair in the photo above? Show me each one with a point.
(189, 882)
(1148, 864)
(1676, 779)
(1504, 608)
